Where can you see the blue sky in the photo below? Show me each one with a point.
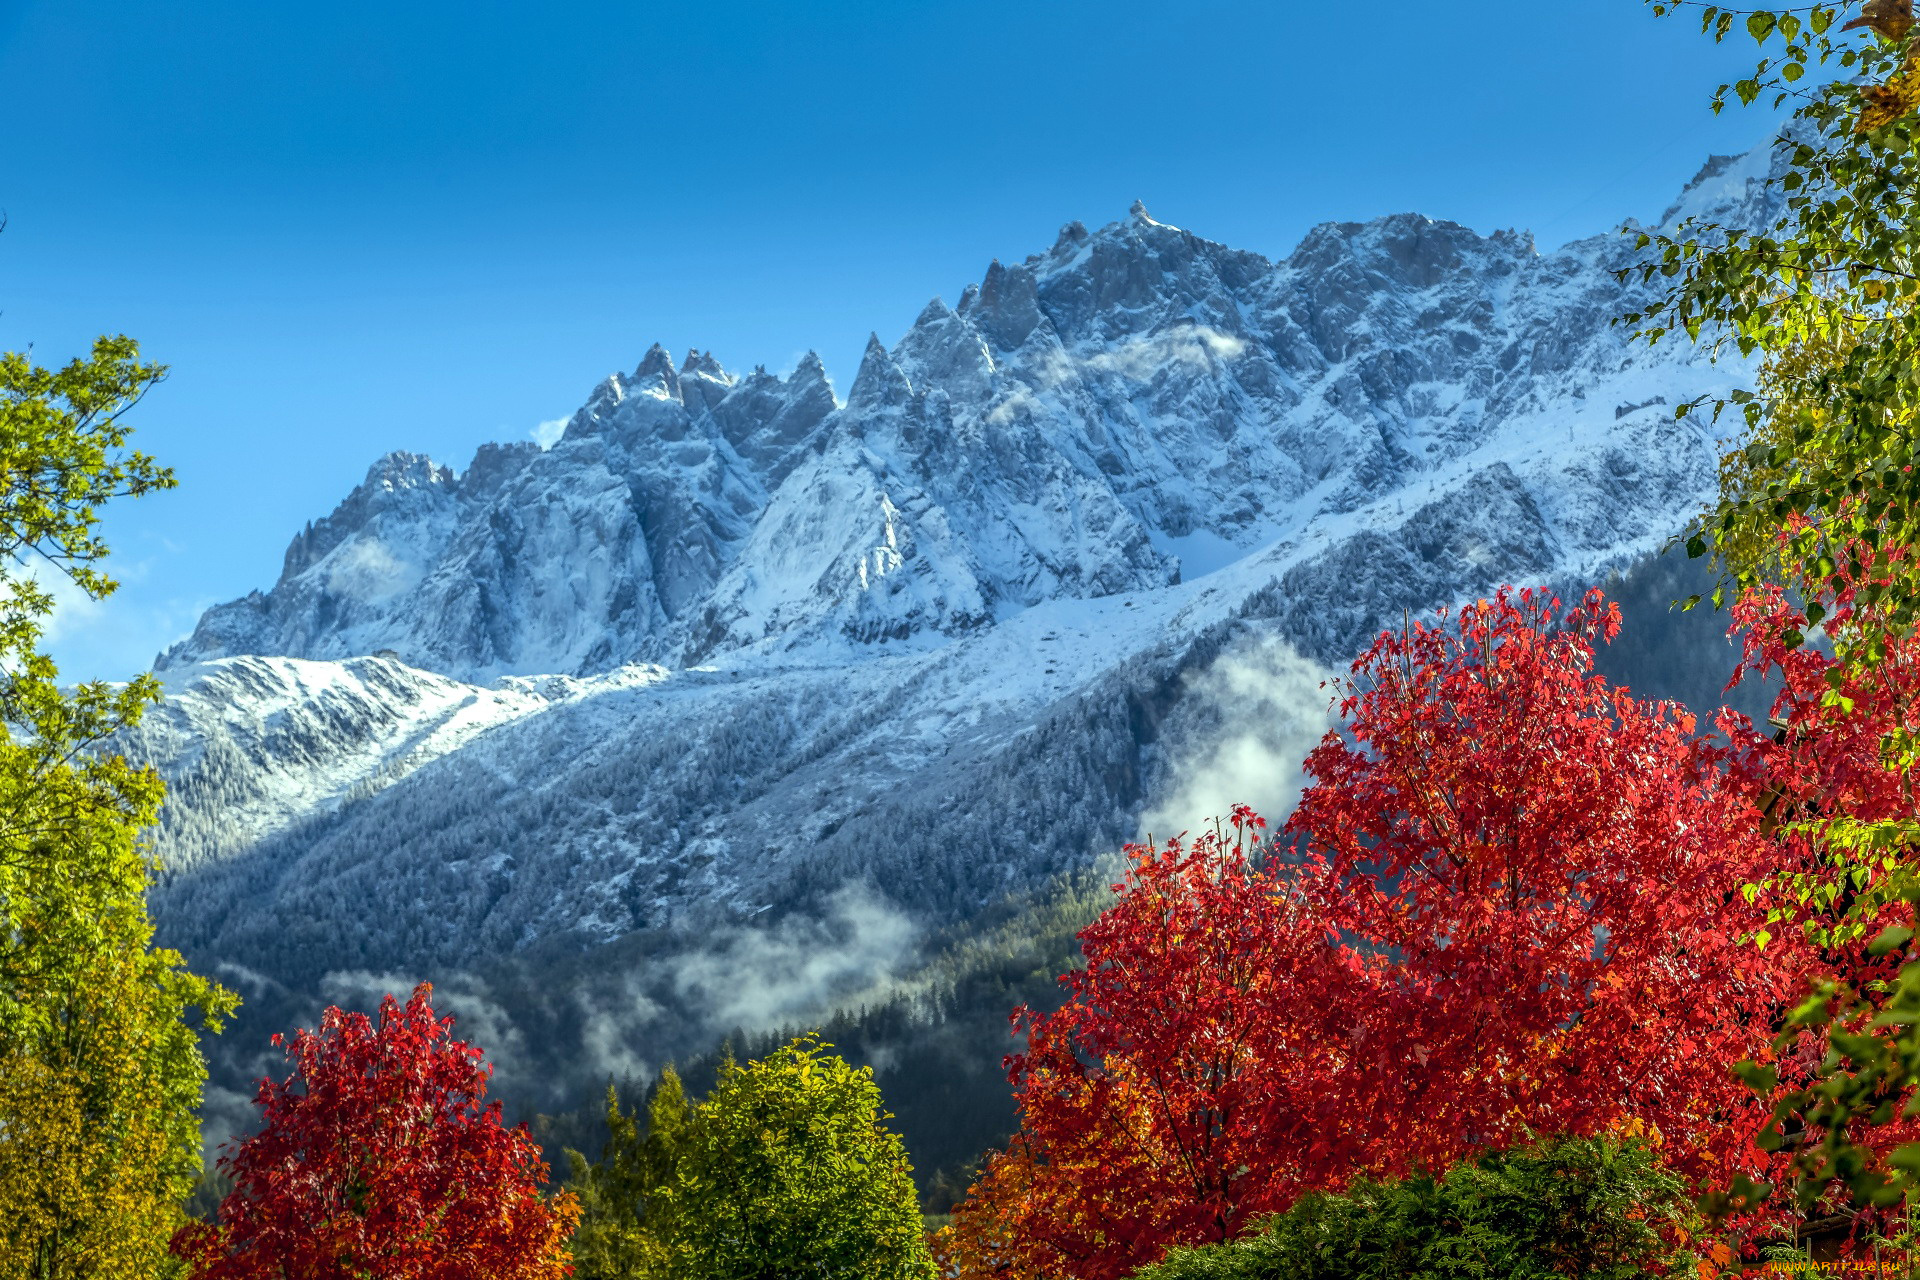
(358, 227)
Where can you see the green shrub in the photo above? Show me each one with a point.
(1568, 1207)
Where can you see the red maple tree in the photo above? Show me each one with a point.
(1159, 1104)
(1510, 903)
(1556, 869)
(380, 1157)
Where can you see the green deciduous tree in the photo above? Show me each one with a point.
(65, 805)
(785, 1169)
(100, 1072)
(1827, 298)
(101, 1137)
(1821, 495)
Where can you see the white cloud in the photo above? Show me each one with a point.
(478, 1019)
(74, 611)
(1270, 711)
(759, 979)
(1224, 345)
(1141, 358)
(548, 434)
(252, 981)
(227, 1115)
(607, 1035)
(1013, 404)
(365, 570)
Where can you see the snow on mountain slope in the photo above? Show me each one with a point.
(1072, 425)
(264, 743)
(729, 645)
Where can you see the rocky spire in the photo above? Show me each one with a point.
(1009, 305)
(702, 364)
(880, 381)
(658, 365)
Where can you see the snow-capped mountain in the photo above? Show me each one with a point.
(731, 645)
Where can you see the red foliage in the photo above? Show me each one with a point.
(1189, 1053)
(1555, 868)
(1834, 754)
(379, 1158)
(1829, 758)
(1509, 902)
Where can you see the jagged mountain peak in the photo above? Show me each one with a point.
(401, 488)
(880, 383)
(703, 364)
(404, 469)
(1133, 406)
(1411, 249)
(657, 362)
(935, 312)
(1137, 215)
(1731, 189)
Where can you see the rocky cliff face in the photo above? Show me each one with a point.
(1130, 409)
(732, 645)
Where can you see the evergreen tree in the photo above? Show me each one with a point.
(624, 1220)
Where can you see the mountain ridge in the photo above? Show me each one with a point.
(1072, 556)
(1063, 430)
